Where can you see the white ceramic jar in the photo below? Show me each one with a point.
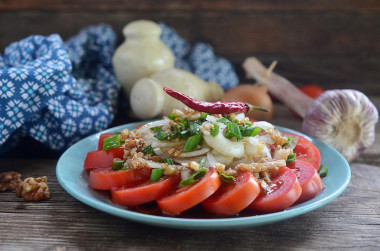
(141, 55)
(149, 100)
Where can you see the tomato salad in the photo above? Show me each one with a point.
(223, 163)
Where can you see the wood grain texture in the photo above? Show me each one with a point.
(351, 221)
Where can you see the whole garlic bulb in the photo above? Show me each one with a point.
(344, 119)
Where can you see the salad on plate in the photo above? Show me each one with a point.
(209, 156)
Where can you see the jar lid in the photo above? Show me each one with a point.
(141, 28)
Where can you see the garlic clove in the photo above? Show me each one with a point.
(343, 119)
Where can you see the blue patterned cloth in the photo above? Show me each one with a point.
(201, 59)
(57, 92)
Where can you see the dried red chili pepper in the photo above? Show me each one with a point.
(212, 107)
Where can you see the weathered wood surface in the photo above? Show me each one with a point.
(330, 43)
(335, 44)
(352, 221)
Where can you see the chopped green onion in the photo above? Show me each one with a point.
(202, 162)
(111, 142)
(192, 143)
(160, 135)
(291, 158)
(233, 130)
(118, 165)
(224, 120)
(173, 116)
(194, 128)
(323, 171)
(248, 131)
(226, 178)
(248, 123)
(194, 177)
(290, 139)
(148, 149)
(156, 129)
(204, 115)
(214, 131)
(169, 161)
(156, 174)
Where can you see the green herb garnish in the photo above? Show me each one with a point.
(156, 174)
(224, 120)
(323, 171)
(202, 162)
(194, 177)
(290, 140)
(291, 158)
(111, 142)
(173, 116)
(118, 165)
(214, 131)
(248, 131)
(192, 143)
(160, 135)
(168, 161)
(194, 128)
(148, 149)
(233, 130)
(226, 178)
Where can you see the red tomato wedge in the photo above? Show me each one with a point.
(232, 198)
(105, 179)
(306, 151)
(102, 137)
(308, 178)
(102, 158)
(186, 197)
(146, 192)
(284, 190)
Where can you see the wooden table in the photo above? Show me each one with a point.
(332, 44)
(64, 223)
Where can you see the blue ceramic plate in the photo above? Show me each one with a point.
(74, 180)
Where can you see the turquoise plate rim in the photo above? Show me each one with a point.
(73, 179)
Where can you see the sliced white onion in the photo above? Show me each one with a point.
(184, 160)
(267, 139)
(223, 159)
(211, 118)
(263, 125)
(162, 122)
(240, 116)
(194, 153)
(185, 174)
(211, 161)
(225, 146)
(158, 151)
(167, 144)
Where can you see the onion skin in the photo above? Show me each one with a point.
(256, 95)
(344, 119)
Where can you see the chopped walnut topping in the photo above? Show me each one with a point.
(35, 189)
(9, 181)
(192, 165)
(220, 167)
(277, 137)
(259, 167)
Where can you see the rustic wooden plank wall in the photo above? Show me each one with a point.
(322, 42)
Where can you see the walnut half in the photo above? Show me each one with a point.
(34, 189)
(9, 181)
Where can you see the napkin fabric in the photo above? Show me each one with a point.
(58, 93)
